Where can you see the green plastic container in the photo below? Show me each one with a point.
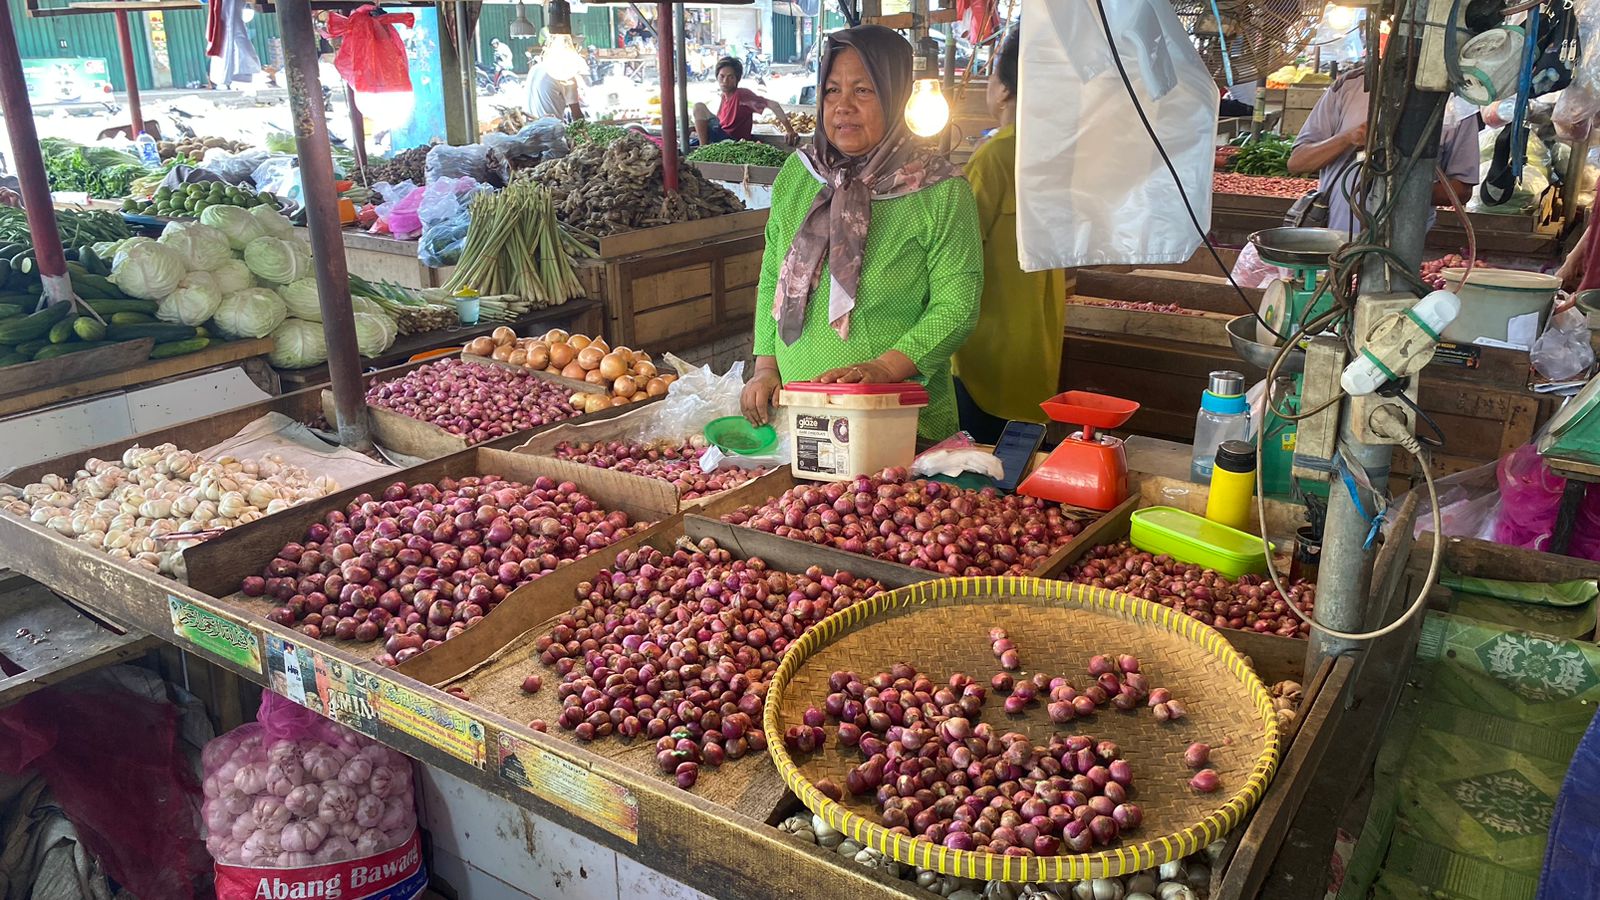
(735, 434)
(1193, 539)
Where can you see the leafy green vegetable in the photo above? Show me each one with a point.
(741, 153)
(584, 132)
(101, 172)
(1267, 154)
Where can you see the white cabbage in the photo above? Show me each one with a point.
(302, 299)
(193, 302)
(202, 247)
(273, 223)
(252, 312)
(374, 334)
(232, 277)
(276, 260)
(240, 227)
(149, 271)
(298, 344)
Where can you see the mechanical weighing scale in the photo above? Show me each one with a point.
(1573, 433)
(1289, 303)
(1087, 469)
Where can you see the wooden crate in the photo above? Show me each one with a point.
(679, 285)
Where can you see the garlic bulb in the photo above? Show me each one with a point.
(827, 835)
(848, 848)
(875, 859)
(1098, 889)
(1140, 883)
(1172, 890)
(1000, 890)
(1039, 892)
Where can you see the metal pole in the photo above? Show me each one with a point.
(1344, 578)
(322, 218)
(358, 130)
(679, 43)
(30, 169)
(465, 57)
(129, 74)
(669, 117)
(949, 86)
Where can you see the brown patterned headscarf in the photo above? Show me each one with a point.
(835, 228)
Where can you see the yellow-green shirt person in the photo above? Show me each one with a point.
(1012, 360)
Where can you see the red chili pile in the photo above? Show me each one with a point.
(1260, 185)
(924, 524)
(1250, 602)
(939, 775)
(425, 562)
(478, 402)
(669, 460)
(680, 648)
(1140, 306)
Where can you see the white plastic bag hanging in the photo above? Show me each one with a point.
(1091, 186)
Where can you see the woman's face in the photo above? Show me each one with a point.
(852, 112)
(996, 96)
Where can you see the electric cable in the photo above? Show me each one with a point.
(1127, 83)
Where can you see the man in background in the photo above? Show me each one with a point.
(735, 118)
(553, 97)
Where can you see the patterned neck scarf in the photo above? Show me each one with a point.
(835, 228)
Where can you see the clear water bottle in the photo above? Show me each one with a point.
(1224, 416)
(149, 153)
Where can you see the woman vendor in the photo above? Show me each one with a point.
(1012, 361)
(874, 264)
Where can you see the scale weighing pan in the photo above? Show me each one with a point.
(1086, 469)
(1242, 335)
(1574, 431)
(1298, 246)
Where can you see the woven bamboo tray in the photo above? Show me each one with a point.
(942, 626)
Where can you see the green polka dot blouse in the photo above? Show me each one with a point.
(919, 292)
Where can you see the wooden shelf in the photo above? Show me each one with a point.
(218, 354)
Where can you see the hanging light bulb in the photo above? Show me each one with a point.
(561, 58)
(385, 111)
(927, 112)
(1339, 18)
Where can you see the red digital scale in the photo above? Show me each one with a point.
(1088, 469)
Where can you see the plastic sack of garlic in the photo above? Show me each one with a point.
(156, 501)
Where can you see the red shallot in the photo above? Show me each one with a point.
(677, 461)
(479, 403)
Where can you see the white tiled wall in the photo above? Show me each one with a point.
(486, 848)
(720, 355)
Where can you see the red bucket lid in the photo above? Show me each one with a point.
(911, 393)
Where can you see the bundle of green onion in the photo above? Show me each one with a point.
(516, 246)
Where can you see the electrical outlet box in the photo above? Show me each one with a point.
(1317, 437)
(1370, 310)
(1432, 75)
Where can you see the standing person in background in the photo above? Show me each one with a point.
(1012, 361)
(735, 119)
(873, 265)
(550, 96)
(502, 56)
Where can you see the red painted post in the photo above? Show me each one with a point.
(358, 133)
(669, 115)
(30, 169)
(129, 74)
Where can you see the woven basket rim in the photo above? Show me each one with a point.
(1122, 859)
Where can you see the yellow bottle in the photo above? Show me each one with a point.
(1233, 483)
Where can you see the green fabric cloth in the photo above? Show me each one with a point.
(921, 280)
(1466, 781)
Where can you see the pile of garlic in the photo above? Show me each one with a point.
(132, 508)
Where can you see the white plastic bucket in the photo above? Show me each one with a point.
(844, 430)
(1507, 306)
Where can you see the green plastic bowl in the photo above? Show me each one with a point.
(1189, 538)
(735, 434)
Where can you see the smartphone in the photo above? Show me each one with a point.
(1019, 441)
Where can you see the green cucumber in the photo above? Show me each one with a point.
(12, 358)
(112, 307)
(61, 332)
(130, 318)
(161, 331)
(94, 287)
(29, 348)
(7, 310)
(55, 350)
(88, 329)
(179, 348)
(34, 326)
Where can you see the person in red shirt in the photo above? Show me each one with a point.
(735, 118)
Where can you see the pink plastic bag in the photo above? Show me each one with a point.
(404, 219)
(1530, 495)
(371, 57)
(295, 801)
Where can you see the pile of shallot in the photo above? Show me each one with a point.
(938, 774)
(280, 803)
(1432, 270)
(1249, 602)
(679, 648)
(156, 501)
(477, 402)
(423, 563)
(668, 459)
(1139, 306)
(924, 524)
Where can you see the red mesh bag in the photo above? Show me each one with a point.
(371, 57)
(114, 763)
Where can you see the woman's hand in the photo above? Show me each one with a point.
(891, 368)
(755, 401)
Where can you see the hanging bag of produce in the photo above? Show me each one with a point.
(371, 56)
(1092, 189)
(300, 806)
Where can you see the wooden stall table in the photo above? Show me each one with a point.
(251, 355)
(577, 315)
